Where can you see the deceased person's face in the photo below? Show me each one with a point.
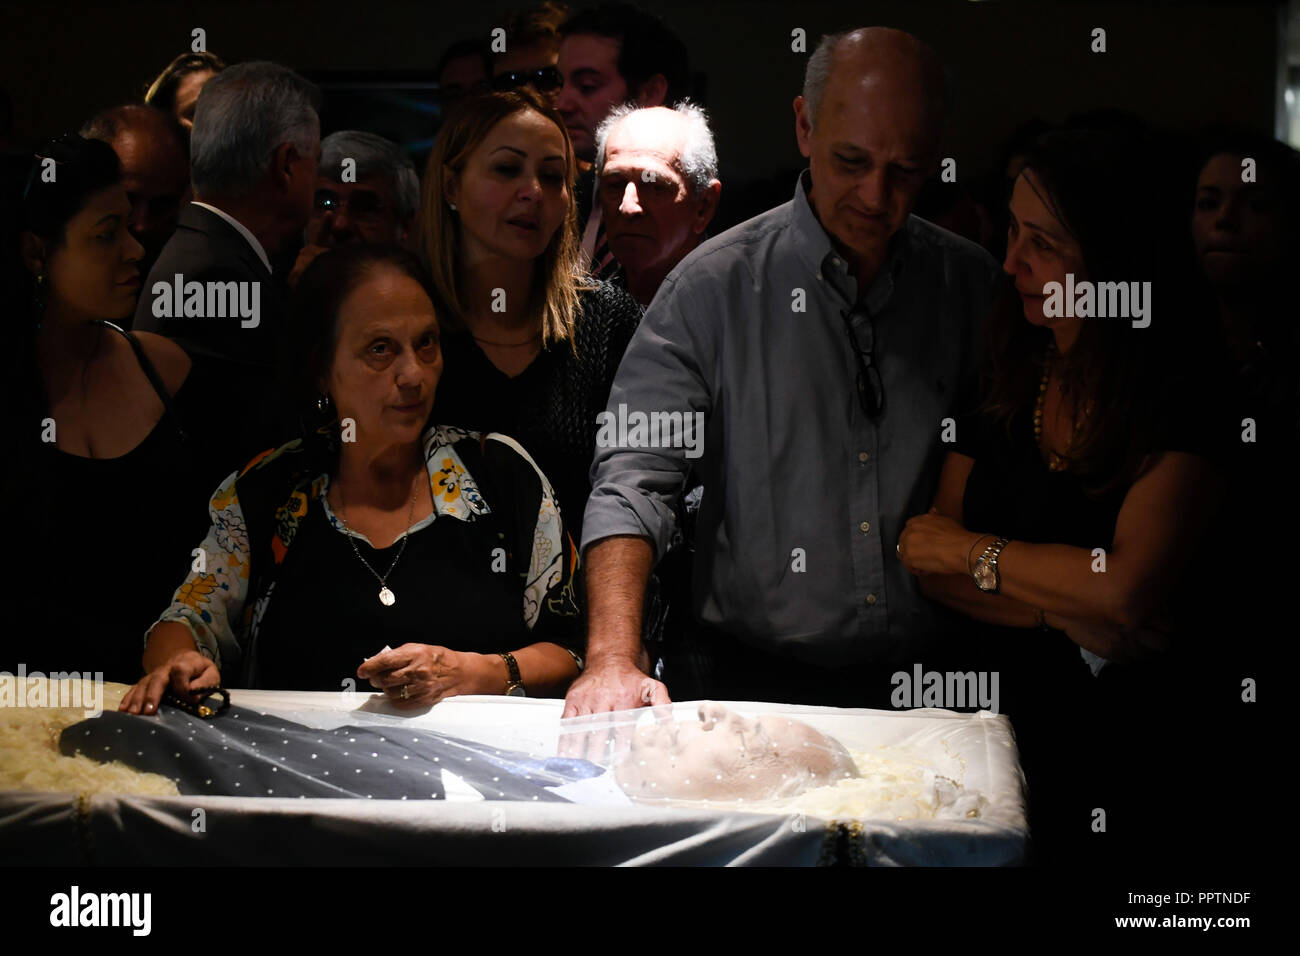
(727, 756)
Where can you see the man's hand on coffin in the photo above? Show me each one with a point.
(595, 740)
(613, 683)
(429, 673)
(182, 672)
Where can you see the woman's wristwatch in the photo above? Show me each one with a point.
(514, 682)
(986, 567)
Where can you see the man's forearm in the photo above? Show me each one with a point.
(618, 569)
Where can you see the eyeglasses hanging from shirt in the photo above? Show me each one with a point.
(871, 388)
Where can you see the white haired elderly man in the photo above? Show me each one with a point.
(657, 185)
(366, 191)
(253, 153)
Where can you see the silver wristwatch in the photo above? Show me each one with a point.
(577, 659)
(986, 567)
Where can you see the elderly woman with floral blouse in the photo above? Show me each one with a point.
(432, 557)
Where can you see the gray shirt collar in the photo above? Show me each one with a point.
(815, 249)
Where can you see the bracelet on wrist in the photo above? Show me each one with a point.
(577, 658)
(970, 568)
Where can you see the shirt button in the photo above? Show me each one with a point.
(863, 457)
(871, 599)
(864, 527)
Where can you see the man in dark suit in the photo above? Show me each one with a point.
(253, 155)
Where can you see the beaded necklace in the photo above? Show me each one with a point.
(1055, 462)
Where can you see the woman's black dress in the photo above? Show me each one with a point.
(1065, 719)
(550, 408)
(105, 542)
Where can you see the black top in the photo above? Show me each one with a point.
(1011, 492)
(550, 408)
(492, 558)
(105, 542)
(326, 617)
(1253, 535)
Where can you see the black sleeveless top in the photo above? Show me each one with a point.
(552, 406)
(326, 617)
(105, 542)
(1011, 492)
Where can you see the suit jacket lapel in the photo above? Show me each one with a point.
(221, 232)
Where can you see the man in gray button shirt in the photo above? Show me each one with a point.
(821, 345)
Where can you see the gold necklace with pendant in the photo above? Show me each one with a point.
(386, 595)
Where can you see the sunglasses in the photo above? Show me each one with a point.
(871, 390)
(545, 80)
(61, 150)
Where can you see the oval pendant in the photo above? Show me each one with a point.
(386, 597)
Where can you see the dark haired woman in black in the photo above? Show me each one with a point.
(1076, 493)
(1245, 226)
(1246, 230)
(430, 561)
(106, 429)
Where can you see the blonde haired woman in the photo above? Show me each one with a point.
(531, 343)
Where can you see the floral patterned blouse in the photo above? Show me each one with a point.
(495, 531)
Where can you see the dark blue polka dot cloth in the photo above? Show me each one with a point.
(248, 754)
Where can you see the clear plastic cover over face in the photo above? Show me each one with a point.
(717, 756)
(725, 755)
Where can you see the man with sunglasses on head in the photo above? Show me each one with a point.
(823, 343)
(377, 202)
(532, 47)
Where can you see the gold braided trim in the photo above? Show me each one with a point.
(81, 820)
(830, 839)
(855, 844)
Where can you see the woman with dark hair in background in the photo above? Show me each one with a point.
(107, 428)
(1246, 230)
(434, 556)
(176, 89)
(531, 342)
(1245, 226)
(1077, 492)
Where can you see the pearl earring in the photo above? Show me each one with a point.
(452, 205)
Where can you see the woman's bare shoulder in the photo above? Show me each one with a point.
(170, 360)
